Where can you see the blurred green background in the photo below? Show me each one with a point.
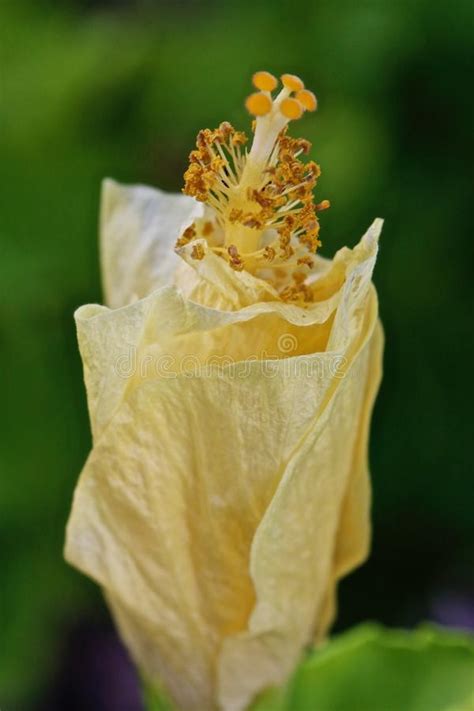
(92, 89)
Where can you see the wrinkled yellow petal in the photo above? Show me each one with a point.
(138, 230)
(220, 505)
(298, 552)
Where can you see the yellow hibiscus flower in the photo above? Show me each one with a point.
(230, 382)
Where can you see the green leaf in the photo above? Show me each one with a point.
(154, 699)
(372, 669)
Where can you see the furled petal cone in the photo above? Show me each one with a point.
(218, 509)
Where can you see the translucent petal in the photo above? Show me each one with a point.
(139, 227)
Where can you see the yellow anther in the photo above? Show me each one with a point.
(264, 81)
(323, 205)
(308, 99)
(291, 109)
(197, 252)
(207, 229)
(292, 82)
(258, 104)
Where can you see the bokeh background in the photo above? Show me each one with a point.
(92, 89)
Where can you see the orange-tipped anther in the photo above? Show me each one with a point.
(258, 104)
(264, 81)
(292, 82)
(291, 109)
(308, 99)
(323, 205)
